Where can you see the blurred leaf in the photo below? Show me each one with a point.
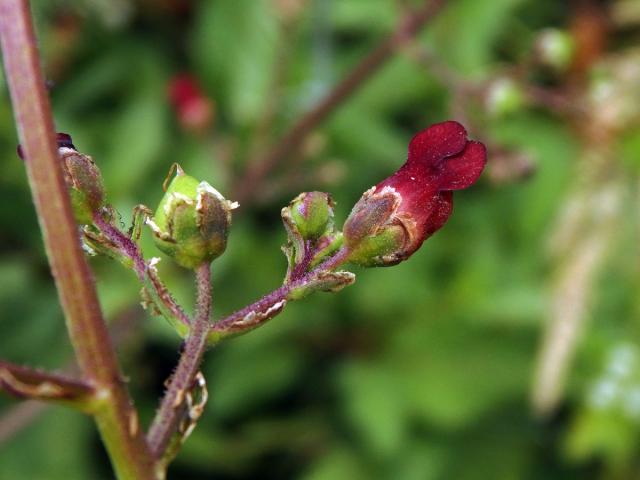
(234, 46)
(464, 34)
(375, 407)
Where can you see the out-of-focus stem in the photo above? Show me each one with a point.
(588, 243)
(409, 26)
(172, 406)
(116, 417)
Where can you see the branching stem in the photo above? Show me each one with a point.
(26, 382)
(272, 303)
(116, 417)
(172, 406)
(168, 307)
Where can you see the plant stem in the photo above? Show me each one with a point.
(408, 27)
(166, 304)
(27, 382)
(172, 406)
(271, 304)
(116, 418)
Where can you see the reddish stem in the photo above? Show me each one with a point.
(25, 382)
(172, 405)
(116, 419)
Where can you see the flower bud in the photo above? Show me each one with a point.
(84, 181)
(394, 218)
(308, 220)
(311, 214)
(192, 221)
(82, 177)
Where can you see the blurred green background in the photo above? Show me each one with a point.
(425, 370)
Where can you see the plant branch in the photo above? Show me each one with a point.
(410, 25)
(24, 382)
(172, 406)
(271, 304)
(147, 274)
(116, 417)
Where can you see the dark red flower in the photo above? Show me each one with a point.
(193, 108)
(394, 218)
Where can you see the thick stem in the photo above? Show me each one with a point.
(116, 417)
(407, 28)
(172, 407)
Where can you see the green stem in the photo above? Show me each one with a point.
(115, 416)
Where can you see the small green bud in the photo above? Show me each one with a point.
(504, 97)
(192, 221)
(84, 181)
(308, 220)
(555, 48)
(311, 214)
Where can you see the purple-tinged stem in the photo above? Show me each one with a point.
(24, 382)
(172, 406)
(273, 303)
(148, 276)
(116, 417)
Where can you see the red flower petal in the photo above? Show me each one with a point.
(464, 169)
(438, 141)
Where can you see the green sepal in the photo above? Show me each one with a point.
(377, 250)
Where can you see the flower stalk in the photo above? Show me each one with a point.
(172, 406)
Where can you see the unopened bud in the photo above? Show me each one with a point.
(84, 181)
(192, 221)
(82, 177)
(311, 214)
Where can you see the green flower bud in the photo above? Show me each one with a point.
(311, 214)
(192, 221)
(84, 181)
(308, 220)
